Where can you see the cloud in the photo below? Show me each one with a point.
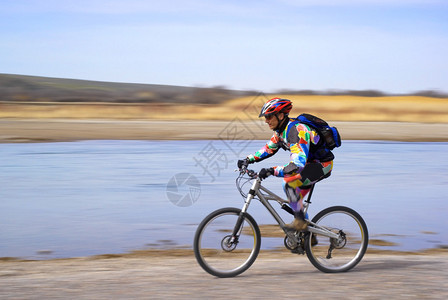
(115, 6)
(360, 3)
(120, 7)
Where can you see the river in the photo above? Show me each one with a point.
(93, 197)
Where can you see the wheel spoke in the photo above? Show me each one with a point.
(342, 253)
(222, 254)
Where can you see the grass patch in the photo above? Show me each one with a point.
(333, 108)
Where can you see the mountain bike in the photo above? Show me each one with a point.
(227, 242)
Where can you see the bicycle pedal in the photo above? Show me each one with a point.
(298, 251)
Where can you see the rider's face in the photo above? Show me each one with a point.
(272, 121)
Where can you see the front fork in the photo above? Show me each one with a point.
(251, 195)
(238, 226)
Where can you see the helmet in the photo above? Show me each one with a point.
(275, 106)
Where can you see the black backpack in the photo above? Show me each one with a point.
(330, 135)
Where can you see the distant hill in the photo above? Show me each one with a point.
(21, 88)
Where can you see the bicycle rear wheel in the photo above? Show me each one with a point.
(338, 255)
(219, 252)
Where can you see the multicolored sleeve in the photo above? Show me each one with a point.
(300, 148)
(267, 151)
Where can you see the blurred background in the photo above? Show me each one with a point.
(103, 103)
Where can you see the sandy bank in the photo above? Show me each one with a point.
(14, 130)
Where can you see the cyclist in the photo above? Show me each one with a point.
(310, 162)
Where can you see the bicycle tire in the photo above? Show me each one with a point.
(201, 233)
(358, 240)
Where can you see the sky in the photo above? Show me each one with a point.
(394, 46)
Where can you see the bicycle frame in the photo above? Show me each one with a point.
(335, 228)
(257, 189)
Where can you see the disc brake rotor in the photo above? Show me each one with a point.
(227, 244)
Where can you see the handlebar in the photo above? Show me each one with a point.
(251, 173)
(241, 180)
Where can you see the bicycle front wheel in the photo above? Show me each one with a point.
(220, 252)
(333, 255)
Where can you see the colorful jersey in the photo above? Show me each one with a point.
(300, 140)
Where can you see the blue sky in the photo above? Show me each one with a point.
(396, 46)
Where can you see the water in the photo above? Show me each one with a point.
(96, 197)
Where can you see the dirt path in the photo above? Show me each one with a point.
(271, 277)
(12, 130)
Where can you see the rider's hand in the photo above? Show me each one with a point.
(265, 173)
(243, 163)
